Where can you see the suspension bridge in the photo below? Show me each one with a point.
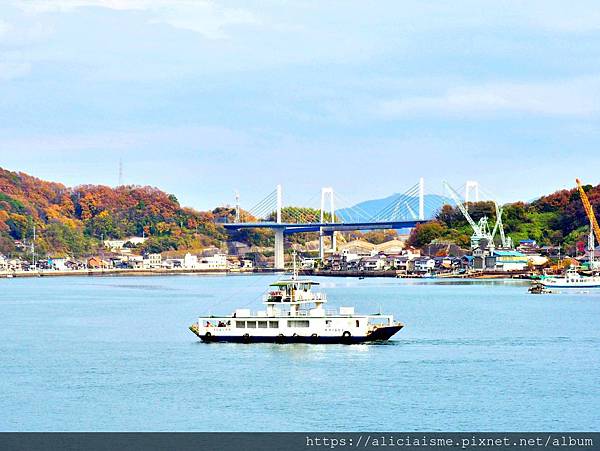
(404, 210)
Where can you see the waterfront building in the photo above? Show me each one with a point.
(361, 248)
(152, 261)
(190, 261)
(217, 261)
(501, 260)
(97, 263)
(172, 263)
(398, 262)
(423, 264)
(58, 263)
(135, 262)
(374, 263)
(394, 246)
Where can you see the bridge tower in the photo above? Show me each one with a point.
(421, 198)
(237, 206)
(326, 192)
(279, 240)
(471, 185)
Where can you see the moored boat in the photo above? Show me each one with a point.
(571, 279)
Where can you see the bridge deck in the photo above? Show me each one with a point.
(290, 227)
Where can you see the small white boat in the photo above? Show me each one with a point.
(571, 279)
(295, 314)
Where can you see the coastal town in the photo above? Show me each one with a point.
(356, 257)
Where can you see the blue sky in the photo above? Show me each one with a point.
(201, 98)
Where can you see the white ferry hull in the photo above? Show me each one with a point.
(382, 333)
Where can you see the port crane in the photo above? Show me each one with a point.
(505, 241)
(481, 229)
(594, 228)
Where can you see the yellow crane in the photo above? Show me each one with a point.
(589, 210)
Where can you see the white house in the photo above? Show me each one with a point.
(135, 240)
(58, 263)
(3, 263)
(217, 261)
(374, 263)
(190, 261)
(136, 262)
(424, 264)
(172, 263)
(152, 261)
(117, 245)
(114, 245)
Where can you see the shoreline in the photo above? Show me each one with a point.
(323, 273)
(123, 272)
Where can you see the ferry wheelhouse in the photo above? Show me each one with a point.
(295, 313)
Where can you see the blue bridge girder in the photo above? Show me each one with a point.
(291, 228)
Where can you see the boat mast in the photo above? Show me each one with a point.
(294, 269)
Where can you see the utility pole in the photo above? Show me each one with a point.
(237, 207)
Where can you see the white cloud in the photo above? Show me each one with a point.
(11, 70)
(176, 137)
(204, 17)
(577, 97)
(4, 27)
(561, 16)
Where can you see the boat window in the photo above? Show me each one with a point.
(262, 324)
(251, 324)
(273, 324)
(240, 324)
(357, 323)
(298, 323)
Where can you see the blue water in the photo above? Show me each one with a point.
(115, 354)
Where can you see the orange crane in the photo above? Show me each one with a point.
(589, 210)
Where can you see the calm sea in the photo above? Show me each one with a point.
(114, 353)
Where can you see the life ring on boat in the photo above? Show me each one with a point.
(280, 338)
(314, 337)
(346, 336)
(246, 338)
(207, 336)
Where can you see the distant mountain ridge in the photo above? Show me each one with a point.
(369, 209)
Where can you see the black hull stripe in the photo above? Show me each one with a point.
(381, 334)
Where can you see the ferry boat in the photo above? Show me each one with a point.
(296, 314)
(571, 279)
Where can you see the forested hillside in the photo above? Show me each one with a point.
(555, 219)
(74, 220)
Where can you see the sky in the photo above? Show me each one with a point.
(203, 98)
